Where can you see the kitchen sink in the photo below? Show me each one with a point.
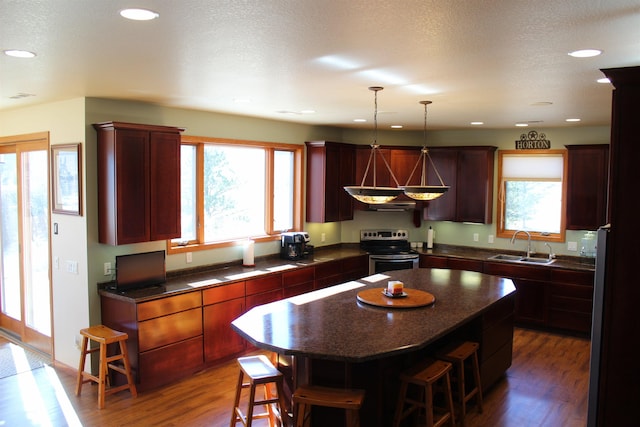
(521, 259)
(505, 257)
(533, 260)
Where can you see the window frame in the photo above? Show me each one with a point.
(559, 237)
(199, 142)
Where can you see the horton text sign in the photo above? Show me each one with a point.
(533, 141)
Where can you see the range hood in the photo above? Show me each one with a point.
(393, 206)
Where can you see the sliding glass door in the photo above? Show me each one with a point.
(25, 298)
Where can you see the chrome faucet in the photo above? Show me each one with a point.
(551, 254)
(513, 239)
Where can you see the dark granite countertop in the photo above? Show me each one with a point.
(182, 281)
(331, 324)
(483, 254)
(205, 277)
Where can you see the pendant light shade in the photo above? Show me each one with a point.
(424, 192)
(374, 194)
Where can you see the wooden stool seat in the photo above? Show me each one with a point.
(459, 356)
(428, 378)
(104, 336)
(307, 396)
(260, 371)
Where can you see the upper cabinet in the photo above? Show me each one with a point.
(401, 160)
(587, 181)
(138, 182)
(468, 171)
(330, 167)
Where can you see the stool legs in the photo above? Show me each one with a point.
(260, 371)
(427, 379)
(104, 336)
(461, 356)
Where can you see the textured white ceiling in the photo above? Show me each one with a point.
(490, 60)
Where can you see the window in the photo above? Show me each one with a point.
(531, 194)
(232, 190)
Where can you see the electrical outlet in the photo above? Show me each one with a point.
(572, 246)
(56, 262)
(107, 268)
(323, 237)
(189, 257)
(476, 237)
(490, 239)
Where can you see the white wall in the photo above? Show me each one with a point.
(65, 122)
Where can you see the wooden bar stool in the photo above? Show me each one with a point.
(104, 336)
(429, 378)
(260, 371)
(464, 357)
(348, 399)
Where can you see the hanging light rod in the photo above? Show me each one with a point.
(374, 194)
(423, 191)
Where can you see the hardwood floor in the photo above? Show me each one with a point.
(547, 385)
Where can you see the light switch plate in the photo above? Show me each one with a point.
(572, 246)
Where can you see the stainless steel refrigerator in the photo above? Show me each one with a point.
(596, 323)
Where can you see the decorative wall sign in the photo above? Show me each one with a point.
(66, 179)
(533, 141)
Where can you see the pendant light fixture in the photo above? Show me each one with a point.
(423, 191)
(374, 194)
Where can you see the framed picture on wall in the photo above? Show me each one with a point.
(66, 178)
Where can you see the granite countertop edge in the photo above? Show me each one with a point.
(201, 278)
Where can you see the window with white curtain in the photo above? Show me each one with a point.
(532, 193)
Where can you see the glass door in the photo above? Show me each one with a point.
(25, 298)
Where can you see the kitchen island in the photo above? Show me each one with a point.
(328, 337)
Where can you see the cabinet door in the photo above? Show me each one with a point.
(530, 304)
(382, 175)
(587, 180)
(164, 185)
(220, 340)
(330, 167)
(403, 162)
(131, 196)
(475, 185)
(444, 207)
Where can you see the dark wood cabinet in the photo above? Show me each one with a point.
(330, 167)
(468, 171)
(341, 270)
(434, 261)
(549, 297)
(263, 290)
(587, 179)
(138, 182)
(222, 305)
(401, 160)
(165, 336)
(298, 281)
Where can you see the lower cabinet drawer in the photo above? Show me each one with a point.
(169, 329)
(166, 364)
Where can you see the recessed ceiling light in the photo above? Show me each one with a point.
(16, 53)
(307, 111)
(242, 100)
(359, 120)
(396, 126)
(572, 120)
(522, 125)
(604, 80)
(139, 14)
(477, 123)
(585, 53)
(542, 104)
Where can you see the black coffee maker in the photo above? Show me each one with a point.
(295, 245)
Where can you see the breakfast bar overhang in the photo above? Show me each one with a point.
(331, 338)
